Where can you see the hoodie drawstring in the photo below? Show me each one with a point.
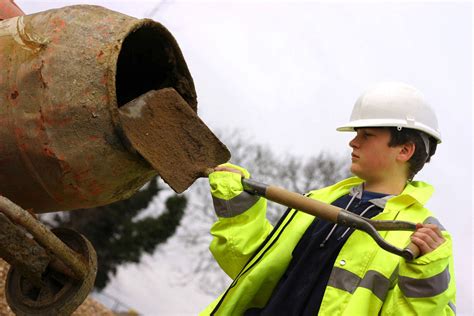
(321, 245)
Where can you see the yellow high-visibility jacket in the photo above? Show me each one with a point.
(365, 280)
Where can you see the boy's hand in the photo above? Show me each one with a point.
(427, 237)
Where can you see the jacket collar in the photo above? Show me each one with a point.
(379, 202)
(415, 192)
(418, 192)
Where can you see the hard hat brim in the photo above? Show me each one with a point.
(350, 127)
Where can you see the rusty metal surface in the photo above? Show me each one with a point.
(176, 142)
(63, 75)
(21, 251)
(9, 9)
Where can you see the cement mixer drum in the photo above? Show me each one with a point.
(64, 74)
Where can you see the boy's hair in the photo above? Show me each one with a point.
(420, 157)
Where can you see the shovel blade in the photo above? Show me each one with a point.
(164, 129)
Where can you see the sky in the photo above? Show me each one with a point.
(288, 73)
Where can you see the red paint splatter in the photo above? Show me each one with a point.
(19, 132)
(81, 176)
(49, 152)
(58, 24)
(14, 95)
(57, 122)
(54, 118)
(104, 79)
(94, 188)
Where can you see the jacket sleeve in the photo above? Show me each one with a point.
(241, 226)
(426, 285)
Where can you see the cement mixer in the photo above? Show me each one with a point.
(65, 75)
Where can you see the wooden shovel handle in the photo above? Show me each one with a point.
(299, 202)
(413, 250)
(334, 214)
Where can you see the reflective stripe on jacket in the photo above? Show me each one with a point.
(365, 280)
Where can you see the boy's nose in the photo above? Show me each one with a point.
(353, 143)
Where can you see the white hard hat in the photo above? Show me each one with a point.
(393, 104)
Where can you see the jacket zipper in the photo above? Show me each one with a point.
(244, 270)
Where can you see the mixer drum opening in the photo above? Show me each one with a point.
(149, 60)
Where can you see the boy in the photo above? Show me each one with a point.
(307, 266)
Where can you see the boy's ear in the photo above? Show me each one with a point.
(406, 151)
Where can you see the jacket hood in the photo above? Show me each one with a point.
(415, 192)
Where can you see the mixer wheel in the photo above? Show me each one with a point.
(59, 293)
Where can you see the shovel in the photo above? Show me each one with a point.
(167, 133)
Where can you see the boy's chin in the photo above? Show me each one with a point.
(356, 172)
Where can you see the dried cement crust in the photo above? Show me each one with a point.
(171, 137)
